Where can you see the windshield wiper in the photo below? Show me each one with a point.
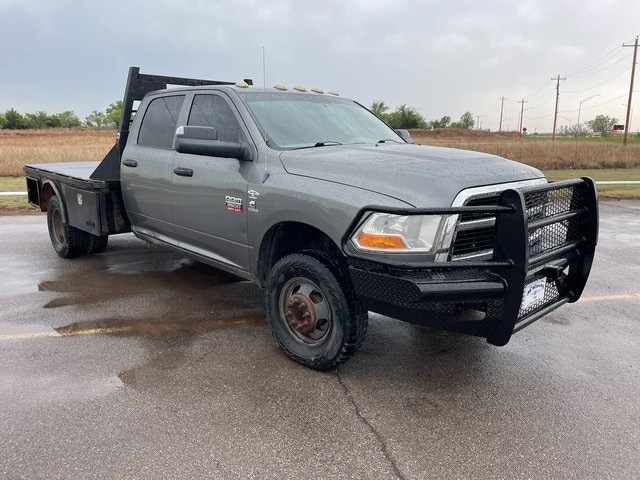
(320, 144)
(385, 140)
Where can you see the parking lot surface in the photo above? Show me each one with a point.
(139, 363)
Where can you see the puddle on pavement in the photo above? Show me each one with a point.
(155, 372)
(186, 275)
(15, 281)
(163, 328)
(93, 286)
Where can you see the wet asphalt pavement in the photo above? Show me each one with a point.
(138, 363)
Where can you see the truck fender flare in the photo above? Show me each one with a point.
(45, 199)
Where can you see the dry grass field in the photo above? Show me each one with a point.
(559, 160)
(539, 152)
(19, 147)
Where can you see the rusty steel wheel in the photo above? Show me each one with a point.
(313, 317)
(67, 241)
(307, 313)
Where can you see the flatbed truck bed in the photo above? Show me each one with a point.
(91, 204)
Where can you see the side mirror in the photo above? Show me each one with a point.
(406, 136)
(204, 141)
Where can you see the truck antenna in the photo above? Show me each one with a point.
(265, 175)
(264, 70)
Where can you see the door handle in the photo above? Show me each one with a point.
(129, 163)
(183, 172)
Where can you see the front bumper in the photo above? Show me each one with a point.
(545, 239)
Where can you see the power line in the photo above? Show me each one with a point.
(602, 69)
(533, 95)
(541, 116)
(595, 63)
(606, 67)
(601, 83)
(599, 104)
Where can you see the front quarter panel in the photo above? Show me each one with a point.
(326, 206)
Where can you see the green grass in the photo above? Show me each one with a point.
(619, 192)
(16, 203)
(604, 191)
(13, 184)
(596, 174)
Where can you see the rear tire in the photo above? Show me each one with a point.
(97, 244)
(67, 241)
(313, 318)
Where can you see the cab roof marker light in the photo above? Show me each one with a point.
(280, 86)
(334, 93)
(242, 84)
(317, 90)
(300, 88)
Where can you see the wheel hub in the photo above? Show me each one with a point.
(58, 227)
(301, 314)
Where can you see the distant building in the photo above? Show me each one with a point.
(617, 130)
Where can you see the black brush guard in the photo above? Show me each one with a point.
(545, 235)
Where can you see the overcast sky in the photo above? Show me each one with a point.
(441, 57)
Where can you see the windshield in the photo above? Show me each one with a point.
(291, 120)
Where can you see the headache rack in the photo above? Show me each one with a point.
(516, 255)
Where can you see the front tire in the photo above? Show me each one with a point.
(67, 241)
(314, 319)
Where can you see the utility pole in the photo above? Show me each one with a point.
(555, 116)
(501, 110)
(627, 127)
(521, 102)
(478, 122)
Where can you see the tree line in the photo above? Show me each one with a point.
(402, 117)
(408, 117)
(14, 120)
(602, 125)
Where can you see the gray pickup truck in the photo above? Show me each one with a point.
(329, 210)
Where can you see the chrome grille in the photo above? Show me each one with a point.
(475, 234)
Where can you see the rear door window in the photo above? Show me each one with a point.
(160, 121)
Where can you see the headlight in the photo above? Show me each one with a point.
(385, 232)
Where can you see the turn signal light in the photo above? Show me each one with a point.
(381, 242)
